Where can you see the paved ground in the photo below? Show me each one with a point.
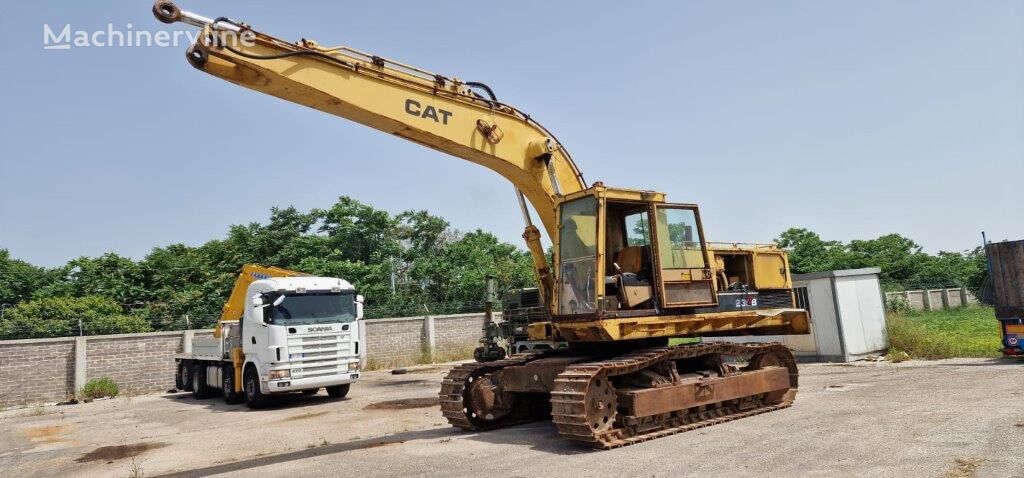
(952, 418)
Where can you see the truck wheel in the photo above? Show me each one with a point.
(199, 388)
(338, 391)
(185, 370)
(179, 376)
(310, 391)
(254, 397)
(227, 384)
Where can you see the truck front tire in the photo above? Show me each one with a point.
(227, 383)
(338, 391)
(254, 397)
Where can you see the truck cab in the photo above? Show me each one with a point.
(301, 333)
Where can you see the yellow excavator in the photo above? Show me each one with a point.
(630, 272)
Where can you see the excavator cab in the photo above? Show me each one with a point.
(629, 252)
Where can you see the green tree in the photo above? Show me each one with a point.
(431, 262)
(60, 316)
(109, 275)
(457, 274)
(20, 280)
(903, 263)
(808, 252)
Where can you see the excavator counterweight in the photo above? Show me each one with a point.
(630, 270)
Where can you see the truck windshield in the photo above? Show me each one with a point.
(313, 308)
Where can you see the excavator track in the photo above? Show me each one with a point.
(581, 386)
(454, 400)
(575, 390)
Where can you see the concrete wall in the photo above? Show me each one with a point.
(407, 340)
(934, 299)
(51, 370)
(40, 370)
(136, 362)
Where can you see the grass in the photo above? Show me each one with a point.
(423, 358)
(99, 388)
(683, 340)
(962, 332)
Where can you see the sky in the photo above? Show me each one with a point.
(852, 119)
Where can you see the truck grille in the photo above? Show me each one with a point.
(317, 355)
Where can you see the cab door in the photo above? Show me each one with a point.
(680, 257)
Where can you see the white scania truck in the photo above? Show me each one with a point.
(280, 332)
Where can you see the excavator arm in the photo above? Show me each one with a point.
(463, 119)
(436, 111)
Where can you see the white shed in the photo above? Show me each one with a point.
(847, 316)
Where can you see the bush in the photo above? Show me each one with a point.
(116, 324)
(99, 388)
(897, 305)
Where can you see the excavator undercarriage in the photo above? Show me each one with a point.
(611, 401)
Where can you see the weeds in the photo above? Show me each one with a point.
(962, 332)
(135, 469)
(455, 354)
(323, 442)
(896, 305)
(423, 358)
(99, 388)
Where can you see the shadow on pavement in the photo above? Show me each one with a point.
(540, 436)
(986, 362)
(362, 444)
(216, 403)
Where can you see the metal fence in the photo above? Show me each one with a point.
(34, 329)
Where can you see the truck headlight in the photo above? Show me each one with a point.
(353, 366)
(279, 374)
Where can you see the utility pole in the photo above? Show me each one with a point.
(392, 261)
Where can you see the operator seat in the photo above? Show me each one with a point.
(634, 288)
(632, 259)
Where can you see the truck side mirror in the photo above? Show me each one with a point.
(360, 299)
(257, 301)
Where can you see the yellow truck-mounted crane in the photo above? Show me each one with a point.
(630, 270)
(280, 331)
